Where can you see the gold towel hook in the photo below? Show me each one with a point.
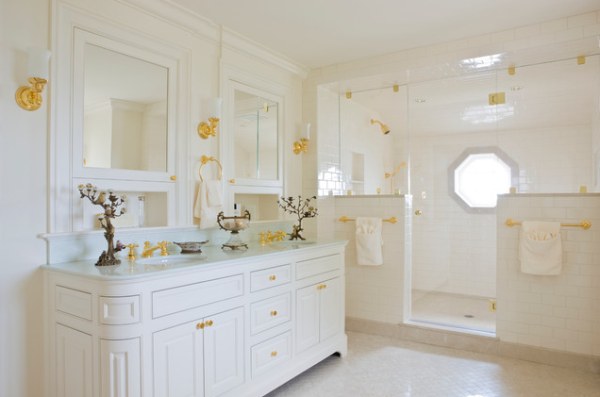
(205, 160)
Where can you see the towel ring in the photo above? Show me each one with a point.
(207, 159)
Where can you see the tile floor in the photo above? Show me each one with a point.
(453, 310)
(378, 366)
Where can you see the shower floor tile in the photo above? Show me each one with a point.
(453, 310)
(378, 366)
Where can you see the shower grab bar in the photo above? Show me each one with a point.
(346, 219)
(585, 224)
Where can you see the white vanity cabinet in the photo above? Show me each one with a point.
(226, 324)
(200, 358)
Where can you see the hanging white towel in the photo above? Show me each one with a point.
(208, 203)
(540, 248)
(369, 241)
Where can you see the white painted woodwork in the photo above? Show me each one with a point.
(222, 326)
(120, 368)
(73, 363)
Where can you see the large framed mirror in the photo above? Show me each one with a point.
(256, 136)
(123, 96)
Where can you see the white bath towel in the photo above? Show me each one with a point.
(540, 248)
(369, 241)
(208, 203)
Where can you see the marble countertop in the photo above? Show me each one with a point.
(158, 265)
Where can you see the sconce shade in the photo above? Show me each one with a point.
(37, 62)
(216, 104)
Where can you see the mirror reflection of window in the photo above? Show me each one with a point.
(255, 132)
(125, 111)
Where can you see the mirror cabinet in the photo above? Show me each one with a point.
(254, 149)
(116, 124)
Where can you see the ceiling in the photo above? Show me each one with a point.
(318, 33)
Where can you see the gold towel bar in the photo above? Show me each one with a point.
(585, 225)
(346, 219)
(206, 159)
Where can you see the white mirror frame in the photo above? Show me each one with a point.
(66, 167)
(233, 78)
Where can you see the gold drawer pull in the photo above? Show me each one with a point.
(274, 353)
(273, 313)
(200, 326)
(209, 323)
(272, 277)
(321, 286)
(232, 181)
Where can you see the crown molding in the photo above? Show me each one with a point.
(183, 18)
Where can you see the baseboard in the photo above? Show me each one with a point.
(476, 343)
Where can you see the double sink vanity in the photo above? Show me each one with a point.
(220, 323)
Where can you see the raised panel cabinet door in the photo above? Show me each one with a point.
(307, 317)
(223, 351)
(73, 363)
(330, 321)
(178, 361)
(120, 368)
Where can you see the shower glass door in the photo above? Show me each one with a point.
(453, 125)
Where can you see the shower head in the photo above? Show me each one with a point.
(383, 127)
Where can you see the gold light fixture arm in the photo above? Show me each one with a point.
(209, 129)
(301, 146)
(30, 98)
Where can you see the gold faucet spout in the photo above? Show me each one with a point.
(149, 249)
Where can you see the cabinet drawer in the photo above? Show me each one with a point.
(272, 277)
(269, 313)
(76, 303)
(271, 353)
(177, 299)
(119, 310)
(315, 266)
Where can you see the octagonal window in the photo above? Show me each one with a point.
(479, 175)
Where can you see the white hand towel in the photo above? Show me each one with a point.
(202, 210)
(369, 241)
(540, 248)
(213, 193)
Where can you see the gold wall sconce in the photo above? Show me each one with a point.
(301, 146)
(208, 129)
(30, 97)
(383, 127)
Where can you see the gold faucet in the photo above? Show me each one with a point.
(131, 255)
(268, 237)
(149, 250)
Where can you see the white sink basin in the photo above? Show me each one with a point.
(171, 260)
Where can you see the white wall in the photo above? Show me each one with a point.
(23, 173)
(372, 292)
(556, 312)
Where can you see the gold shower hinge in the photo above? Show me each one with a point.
(497, 98)
(512, 70)
(492, 305)
(581, 60)
(396, 87)
(348, 94)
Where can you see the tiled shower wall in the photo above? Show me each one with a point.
(552, 159)
(372, 292)
(557, 312)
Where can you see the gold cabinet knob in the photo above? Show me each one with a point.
(209, 323)
(272, 277)
(274, 353)
(324, 286)
(273, 313)
(200, 326)
(232, 181)
(173, 177)
(418, 212)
